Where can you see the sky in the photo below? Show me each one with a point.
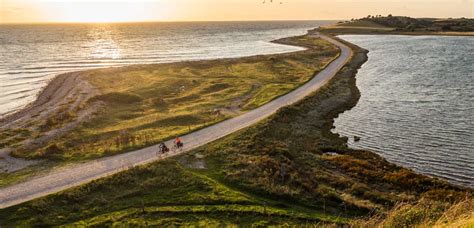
(39, 11)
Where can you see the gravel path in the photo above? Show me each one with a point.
(86, 172)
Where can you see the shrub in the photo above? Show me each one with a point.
(117, 98)
(61, 116)
(52, 151)
(358, 189)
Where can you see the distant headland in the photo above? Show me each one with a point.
(402, 25)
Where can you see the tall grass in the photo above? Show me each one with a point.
(425, 213)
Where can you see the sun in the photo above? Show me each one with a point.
(106, 10)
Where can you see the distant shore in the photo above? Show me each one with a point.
(336, 30)
(398, 25)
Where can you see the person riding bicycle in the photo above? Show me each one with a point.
(178, 142)
(162, 148)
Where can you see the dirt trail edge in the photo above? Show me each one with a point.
(86, 172)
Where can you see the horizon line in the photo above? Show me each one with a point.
(190, 21)
(159, 21)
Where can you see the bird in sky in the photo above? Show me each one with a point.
(271, 1)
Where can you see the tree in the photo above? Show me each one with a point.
(446, 28)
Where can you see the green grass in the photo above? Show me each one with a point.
(266, 93)
(145, 104)
(23, 174)
(239, 180)
(156, 193)
(12, 137)
(203, 215)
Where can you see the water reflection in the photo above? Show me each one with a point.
(30, 55)
(102, 42)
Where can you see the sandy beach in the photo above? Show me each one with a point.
(66, 90)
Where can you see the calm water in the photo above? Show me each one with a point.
(417, 104)
(30, 55)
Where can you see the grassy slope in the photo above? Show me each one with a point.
(424, 213)
(149, 103)
(276, 172)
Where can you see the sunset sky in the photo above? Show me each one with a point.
(37, 11)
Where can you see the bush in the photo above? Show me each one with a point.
(117, 97)
(52, 151)
(358, 189)
(61, 116)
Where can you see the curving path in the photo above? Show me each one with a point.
(80, 174)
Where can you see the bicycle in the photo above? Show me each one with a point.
(162, 149)
(178, 146)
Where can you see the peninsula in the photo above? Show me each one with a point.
(258, 148)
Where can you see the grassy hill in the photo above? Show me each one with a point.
(403, 25)
(424, 24)
(287, 170)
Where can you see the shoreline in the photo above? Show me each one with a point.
(337, 31)
(60, 87)
(63, 83)
(65, 93)
(93, 170)
(71, 87)
(314, 103)
(58, 207)
(59, 81)
(417, 158)
(42, 97)
(460, 34)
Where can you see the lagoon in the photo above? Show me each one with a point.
(417, 104)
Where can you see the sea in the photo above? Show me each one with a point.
(31, 55)
(417, 104)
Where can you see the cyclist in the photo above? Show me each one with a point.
(162, 148)
(178, 143)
